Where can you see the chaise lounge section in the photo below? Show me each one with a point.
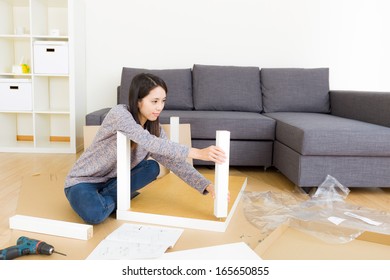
(320, 132)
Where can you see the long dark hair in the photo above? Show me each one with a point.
(140, 87)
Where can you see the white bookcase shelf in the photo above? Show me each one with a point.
(55, 121)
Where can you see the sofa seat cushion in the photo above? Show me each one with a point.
(242, 125)
(227, 88)
(179, 83)
(327, 135)
(295, 90)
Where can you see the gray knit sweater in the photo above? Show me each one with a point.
(99, 162)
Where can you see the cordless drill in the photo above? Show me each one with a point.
(26, 246)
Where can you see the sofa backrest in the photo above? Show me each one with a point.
(295, 90)
(179, 83)
(226, 88)
(239, 88)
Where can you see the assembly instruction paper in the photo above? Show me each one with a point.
(133, 241)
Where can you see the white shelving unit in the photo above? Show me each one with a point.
(56, 118)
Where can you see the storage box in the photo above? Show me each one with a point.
(15, 95)
(51, 57)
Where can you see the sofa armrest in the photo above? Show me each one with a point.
(118, 90)
(371, 107)
(96, 117)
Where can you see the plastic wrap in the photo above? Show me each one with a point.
(323, 214)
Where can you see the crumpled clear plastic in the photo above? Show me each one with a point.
(323, 214)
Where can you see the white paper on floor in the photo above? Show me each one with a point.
(134, 241)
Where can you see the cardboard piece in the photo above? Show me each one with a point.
(43, 196)
(184, 135)
(170, 201)
(286, 243)
(89, 133)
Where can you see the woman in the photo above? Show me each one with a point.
(91, 185)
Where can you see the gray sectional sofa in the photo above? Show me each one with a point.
(282, 117)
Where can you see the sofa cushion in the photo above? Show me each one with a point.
(295, 90)
(179, 83)
(242, 125)
(227, 88)
(327, 135)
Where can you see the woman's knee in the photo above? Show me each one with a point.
(94, 215)
(154, 168)
(93, 220)
(143, 174)
(89, 205)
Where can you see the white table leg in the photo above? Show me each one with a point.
(222, 176)
(123, 172)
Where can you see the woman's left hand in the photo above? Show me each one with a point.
(210, 188)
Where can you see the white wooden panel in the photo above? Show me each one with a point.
(52, 227)
(174, 131)
(222, 176)
(123, 176)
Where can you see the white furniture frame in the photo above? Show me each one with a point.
(221, 191)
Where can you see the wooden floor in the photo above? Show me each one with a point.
(14, 166)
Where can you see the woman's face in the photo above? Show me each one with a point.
(151, 105)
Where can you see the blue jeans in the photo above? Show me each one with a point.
(94, 202)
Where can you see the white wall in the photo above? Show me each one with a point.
(351, 37)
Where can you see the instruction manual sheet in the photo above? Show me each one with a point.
(134, 241)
